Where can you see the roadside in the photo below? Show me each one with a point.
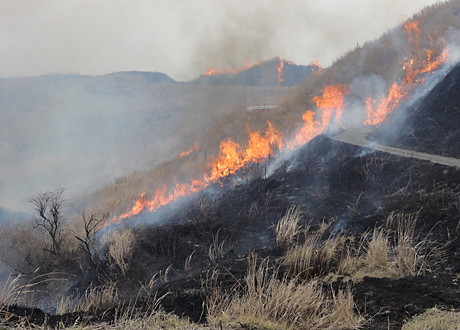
(358, 138)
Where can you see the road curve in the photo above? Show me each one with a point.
(358, 138)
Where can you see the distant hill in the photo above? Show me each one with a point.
(272, 73)
(149, 77)
(82, 131)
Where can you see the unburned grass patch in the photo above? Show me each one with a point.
(268, 300)
(434, 319)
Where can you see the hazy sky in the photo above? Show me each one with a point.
(182, 38)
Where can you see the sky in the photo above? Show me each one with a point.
(183, 38)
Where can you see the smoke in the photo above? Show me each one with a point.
(184, 39)
(240, 37)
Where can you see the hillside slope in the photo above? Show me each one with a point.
(81, 132)
(432, 125)
(373, 237)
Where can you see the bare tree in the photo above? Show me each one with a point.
(87, 241)
(48, 208)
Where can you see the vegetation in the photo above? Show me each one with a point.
(434, 319)
(306, 268)
(269, 300)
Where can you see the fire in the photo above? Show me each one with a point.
(423, 61)
(135, 210)
(229, 161)
(280, 72)
(212, 72)
(316, 67)
(188, 152)
(330, 105)
(232, 157)
(330, 108)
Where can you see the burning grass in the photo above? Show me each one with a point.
(329, 107)
(332, 182)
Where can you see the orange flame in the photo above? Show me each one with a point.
(330, 105)
(280, 72)
(316, 67)
(212, 72)
(232, 157)
(188, 152)
(330, 108)
(423, 62)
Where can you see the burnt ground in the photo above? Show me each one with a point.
(432, 125)
(352, 188)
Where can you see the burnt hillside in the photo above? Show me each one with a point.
(272, 73)
(433, 124)
(351, 189)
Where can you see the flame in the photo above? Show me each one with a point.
(188, 152)
(316, 67)
(330, 105)
(330, 108)
(140, 204)
(423, 61)
(280, 72)
(233, 157)
(212, 72)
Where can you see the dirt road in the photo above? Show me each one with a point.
(358, 137)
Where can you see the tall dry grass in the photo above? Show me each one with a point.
(434, 319)
(268, 300)
(120, 246)
(394, 250)
(288, 227)
(315, 255)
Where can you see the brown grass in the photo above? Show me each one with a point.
(315, 256)
(393, 251)
(288, 227)
(269, 301)
(434, 319)
(384, 252)
(120, 245)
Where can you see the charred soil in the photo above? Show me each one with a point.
(352, 189)
(432, 124)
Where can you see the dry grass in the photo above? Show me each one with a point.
(216, 249)
(434, 319)
(288, 227)
(393, 251)
(151, 321)
(268, 301)
(14, 290)
(101, 297)
(378, 249)
(120, 245)
(314, 256)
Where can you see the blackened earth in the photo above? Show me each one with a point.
(352, 188)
